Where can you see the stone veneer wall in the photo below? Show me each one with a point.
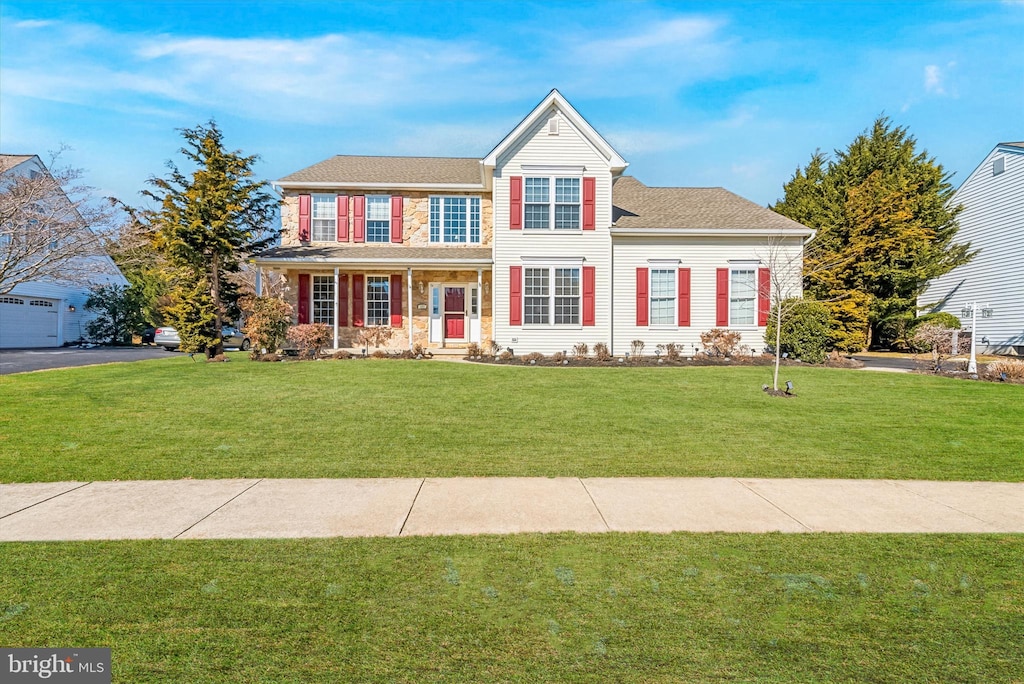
(347, 336)
(416, 223)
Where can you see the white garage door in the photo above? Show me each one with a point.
(28, 322)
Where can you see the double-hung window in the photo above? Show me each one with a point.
(323, 299)
(541, 213)
(663, 296)
(551, 296)
(324, 218)
(455, 220)
(742, 296)
(378, 218)
(378, 301)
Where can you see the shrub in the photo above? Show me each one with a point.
(581, 350)
(492, 348)
(310, 338)
(266, 322)
(473, 350)
(1013, 369)
(671, 350)
(505, 355)
(119, 313)
(558, 357)
(806, 332)
(601, 352)
(341, 354)
(937, 339)
(636, 347)
(219, 358)
(379, 354)
(533, 357)
(943, 318)
(407, 354)
(720, 342)
(375, 336)
(255, 356)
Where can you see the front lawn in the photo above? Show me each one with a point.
(602, 608)
(172, 418)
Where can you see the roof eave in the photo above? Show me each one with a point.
(710, 232)
(360, 261)
(298, 185)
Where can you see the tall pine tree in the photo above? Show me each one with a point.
(885, 228)
(206, 225)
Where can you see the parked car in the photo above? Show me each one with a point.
(167, 337)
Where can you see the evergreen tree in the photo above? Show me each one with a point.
(206, 225)
(119, 313)
(885, 228)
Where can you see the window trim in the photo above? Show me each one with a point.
(668, 267)
(442, 200)
(332, 219)
(313, 298)
(553, 176)
(752, 267)
(366, 219)
(386, 277)
(551, 267)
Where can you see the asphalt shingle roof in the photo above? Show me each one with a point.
(394, 170)
(635, 205)
(328, 253)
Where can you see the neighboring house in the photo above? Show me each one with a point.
(539, 245)
(993, 222)
(45, 312)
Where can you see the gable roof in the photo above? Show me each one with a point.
(1019, 145)
(9, 161)
(637, 208)
(352, 170)
(555, 99)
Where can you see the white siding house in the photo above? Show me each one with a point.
(568, 249)
(43, 312)
(993, 222)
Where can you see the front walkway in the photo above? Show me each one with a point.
(253, 508)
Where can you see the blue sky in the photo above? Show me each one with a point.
(733, 94)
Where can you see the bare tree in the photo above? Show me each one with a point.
(51, 226)
(785, 286)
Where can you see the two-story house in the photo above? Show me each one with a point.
(541, 244)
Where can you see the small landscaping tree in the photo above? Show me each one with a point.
(720, 342)
(266, 323)
(310, 338)
(119, 314)
(191, 313)
(375, 335)
(937, 339)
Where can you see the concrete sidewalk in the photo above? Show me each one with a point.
(251, 508)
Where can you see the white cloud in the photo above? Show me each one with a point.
(933, 80)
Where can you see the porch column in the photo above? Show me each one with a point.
(480, 304)
(409, 307)
(336, 307)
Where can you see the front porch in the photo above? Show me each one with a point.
(423, 303)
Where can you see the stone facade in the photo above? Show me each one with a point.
(416, 219)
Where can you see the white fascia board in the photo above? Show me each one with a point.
(555, 98)
(371, 263)
(379, 186)
(709, 232)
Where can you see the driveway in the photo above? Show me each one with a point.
(24, 360)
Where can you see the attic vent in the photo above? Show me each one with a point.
(998, 165)
(553, 126)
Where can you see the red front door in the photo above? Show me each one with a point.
(454, 313)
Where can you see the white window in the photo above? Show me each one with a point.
(378, 301)
(663, 296)
(324, 219)
(742, 296)
(455, 220)
(540, 213)
(551, 296)
(323, 299)
(378, 218)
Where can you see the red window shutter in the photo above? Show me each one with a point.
(722, 297)
(343, 299)
(357, 301)
(342, 218)
(515, 295)
(589, 278)
(396, 220)
(589, 203)
(684, 297)
(304, 292)
(642, 308)
(515, 205)
(305, 202)
(396, 301)
(359, 218)
(764, 290)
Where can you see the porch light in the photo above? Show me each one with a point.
(420, 285)
(71, 308)
(487, 289)
(789, 386)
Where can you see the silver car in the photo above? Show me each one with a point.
(167, 337)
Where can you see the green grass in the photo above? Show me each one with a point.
(528, 608)
(172, 418)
